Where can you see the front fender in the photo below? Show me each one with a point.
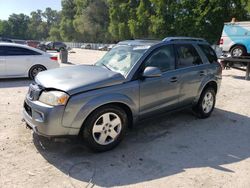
(98, 101)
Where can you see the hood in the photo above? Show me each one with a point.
(78, 78)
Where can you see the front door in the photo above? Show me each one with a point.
(160, 93)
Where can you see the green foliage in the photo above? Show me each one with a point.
(36, 26)
(114, 20)
(92, 20)
(54, 34)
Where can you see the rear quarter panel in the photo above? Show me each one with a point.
(42, 60)
(213, 75)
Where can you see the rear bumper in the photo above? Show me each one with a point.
(46, 120)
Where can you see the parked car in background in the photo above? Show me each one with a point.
(86, 46)
(110, 46)
(18, 60)
(103, 48)
(32, 43)
(235, 38)
(55, 46)
(134, 80)
(2, 39)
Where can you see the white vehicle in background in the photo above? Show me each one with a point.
(235, 38)
(18, 60)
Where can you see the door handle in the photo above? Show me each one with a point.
(173, 79)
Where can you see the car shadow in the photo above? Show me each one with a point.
(154, 149)
(14, 82)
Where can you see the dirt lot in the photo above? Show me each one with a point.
(174, 150)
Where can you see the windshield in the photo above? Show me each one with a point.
(122, 58)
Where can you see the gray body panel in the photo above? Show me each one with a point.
(78, 78)
(90, 87)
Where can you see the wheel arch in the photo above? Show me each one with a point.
(29, 69)
(88, 106)
(122, 105)
(211, 83)
(238, 44)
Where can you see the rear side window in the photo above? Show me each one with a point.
(162, 58)
(18, 51)
(187, 56)
(1, 51)
(209, 52)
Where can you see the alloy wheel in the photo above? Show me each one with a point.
(107, 128)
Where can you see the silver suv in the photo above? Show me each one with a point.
(135, 80)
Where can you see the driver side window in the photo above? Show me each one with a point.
(162, 58)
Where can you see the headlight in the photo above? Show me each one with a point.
(54, 98)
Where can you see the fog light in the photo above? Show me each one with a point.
(38, 116)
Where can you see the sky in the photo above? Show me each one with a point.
(8, 7)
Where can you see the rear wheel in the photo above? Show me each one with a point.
(238, 51)
(105, 128)
(35, 70)
(206, 103)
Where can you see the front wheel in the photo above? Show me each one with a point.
(105, 128)
(206, 103)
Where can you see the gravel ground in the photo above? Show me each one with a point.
(174, 150)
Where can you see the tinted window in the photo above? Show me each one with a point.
(163, 58)
(49, 44)
(187, 56)
(209, 52)
(1, 51)
(13, 51)
(57, 43)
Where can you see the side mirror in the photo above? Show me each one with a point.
(151, 72)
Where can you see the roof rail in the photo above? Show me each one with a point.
(184, 38)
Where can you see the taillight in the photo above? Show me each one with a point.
(221, 41)
(54, 58)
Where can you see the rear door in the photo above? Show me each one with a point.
(2, 62)
(189, 65)
(19, 60)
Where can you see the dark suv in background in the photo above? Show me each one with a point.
(55, 46)
(134, 80)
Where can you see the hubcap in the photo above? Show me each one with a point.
(36, 71)
(237, 52)
(208, 102)
(107, 128)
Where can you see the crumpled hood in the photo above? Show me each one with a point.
(79, 78)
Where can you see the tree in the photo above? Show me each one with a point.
(54, 34)
(120, 13)
(92, 20)
(5, 29)
(36, 27)
(67, 30)
(18, 24)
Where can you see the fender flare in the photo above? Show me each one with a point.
(99, 101)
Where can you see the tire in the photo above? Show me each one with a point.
(35, 70)
(102, 135)
(238, 51)
(205, 105)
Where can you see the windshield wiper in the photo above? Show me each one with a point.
(106, 66)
